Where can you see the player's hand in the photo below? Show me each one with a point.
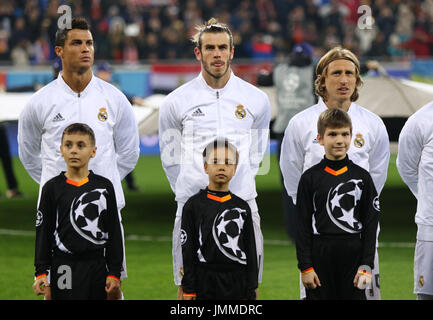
(41, 286)
(362, 278)
(112, 287)
(180, 293)
(189, 298)
(310, 280)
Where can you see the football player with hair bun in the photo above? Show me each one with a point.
(337, 83)
(338, 214)
(217, 234)
(216, 103)
(78, 235)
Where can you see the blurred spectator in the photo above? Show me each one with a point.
(164, 27)
(420, 43)
(6, 159)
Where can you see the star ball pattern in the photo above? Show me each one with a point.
(227, 230)
(87, 215)
(342, 202)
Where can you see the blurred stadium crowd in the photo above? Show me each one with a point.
(127, 31)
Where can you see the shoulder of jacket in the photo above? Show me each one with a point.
(306, 115)
(181, 94)
(50, 89)
(251, 90)
(366, 113)
(107, 87)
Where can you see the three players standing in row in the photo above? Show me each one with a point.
(216, 104)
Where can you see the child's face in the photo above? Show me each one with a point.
(221, 167)
(336, 142)
(77, 150)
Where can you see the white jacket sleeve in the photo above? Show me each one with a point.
(410, 146)
(170, 136)
(29, 141)
(260, 136)
(291, 160)
(126, 139)
(379, 158)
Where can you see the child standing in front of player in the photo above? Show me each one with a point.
(78, 250)
(338, 214)
(217, 235)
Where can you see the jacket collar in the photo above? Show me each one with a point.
(68, 89)
(220, 90)
(323, 105)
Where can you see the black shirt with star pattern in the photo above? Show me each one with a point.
(210, 235)
(79, 219)
(336, 198)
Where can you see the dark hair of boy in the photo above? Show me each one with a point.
(217, 143)
(333, 118)
(80, 128)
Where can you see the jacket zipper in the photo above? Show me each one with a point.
(218, 111)
(79, 107)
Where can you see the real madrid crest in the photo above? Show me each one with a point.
(240, 112)
(359, 141)
(103, 114)
(421, 281)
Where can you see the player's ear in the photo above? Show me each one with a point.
(320, 139)
(94, 152)
(205, 167)
(58, 50)
(197, 53)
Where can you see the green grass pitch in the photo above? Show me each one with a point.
(148, 220)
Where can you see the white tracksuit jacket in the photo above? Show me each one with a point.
(300, 149)
(101, 106)
(194, 115)
(415, 165)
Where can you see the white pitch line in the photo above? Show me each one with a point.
(136, 237)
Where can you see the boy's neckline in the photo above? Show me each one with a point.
(336, 164)
(217, 192)
(77, 181)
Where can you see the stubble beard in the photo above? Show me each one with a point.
(207, 69)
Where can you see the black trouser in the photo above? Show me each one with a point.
(81, 278)
(222, 282)
(289, 208)
(336, 260)
(6, 158)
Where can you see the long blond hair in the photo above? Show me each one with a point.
(336, 53)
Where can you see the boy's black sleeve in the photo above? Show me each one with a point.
(251, 251)
(114, 248)
(189, 242)
(369, 215)
(304, 233)
(45, 226)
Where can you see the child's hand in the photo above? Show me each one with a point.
(310, 279)
(362, 278)
(41, 286)
(112, 287)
